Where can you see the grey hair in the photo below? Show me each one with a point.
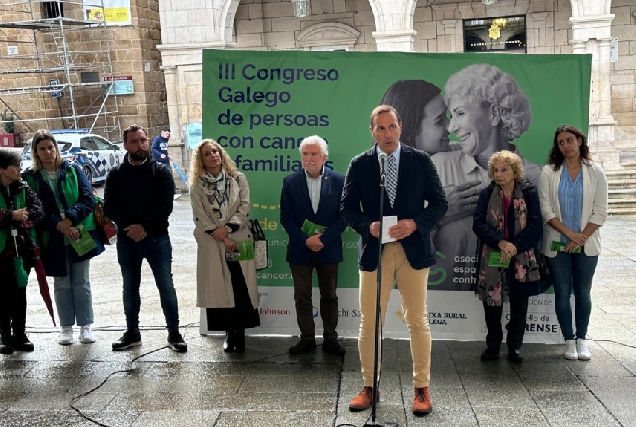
(487, 85)
(314, 139)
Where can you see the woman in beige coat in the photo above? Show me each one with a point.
(220, 198)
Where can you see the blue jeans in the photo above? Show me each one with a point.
(158, 252)
(573, 272)
(73, 296)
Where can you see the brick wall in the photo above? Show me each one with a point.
(131, 49)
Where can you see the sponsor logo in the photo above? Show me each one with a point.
(274, 311)
(314, 311)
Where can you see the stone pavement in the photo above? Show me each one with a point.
(153, 386)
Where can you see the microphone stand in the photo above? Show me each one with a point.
(378, 308)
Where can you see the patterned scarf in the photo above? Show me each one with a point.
(493, 281)
(217, 189)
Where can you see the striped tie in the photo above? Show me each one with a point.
(391, 178)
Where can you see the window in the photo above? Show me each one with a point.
(506, 34)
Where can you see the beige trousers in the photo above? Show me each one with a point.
(412, 286)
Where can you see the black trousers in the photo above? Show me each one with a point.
(327, 283)
(243, 314)
(516, 325)
(13, 300)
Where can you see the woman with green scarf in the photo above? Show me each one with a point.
(67, 235)
(20, 210)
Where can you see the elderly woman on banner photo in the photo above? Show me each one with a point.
(67, 197)
(425, 127)
(20, 211)
(573, 193)
(226, 276)
(488, 110)
(508, 223)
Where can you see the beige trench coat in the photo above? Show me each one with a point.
(214, 285)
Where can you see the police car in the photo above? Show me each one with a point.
(95, 154)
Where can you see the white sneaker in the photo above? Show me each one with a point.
(86, 335)
(584, 352)
(66, 335)
(570, 350)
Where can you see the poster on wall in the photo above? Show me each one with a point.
(114, 12)
(459, 108)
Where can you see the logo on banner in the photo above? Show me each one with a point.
(274, 311)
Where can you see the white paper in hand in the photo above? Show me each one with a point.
(388, 222)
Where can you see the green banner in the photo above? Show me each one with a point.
(260, 105)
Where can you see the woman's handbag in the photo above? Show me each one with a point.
(106, 229)
(261, 259)
(529, 289)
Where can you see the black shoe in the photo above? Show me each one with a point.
(490, 354)
(228, 342)
(5, 346)
(128, 340)
(239, 340)
(176, 342)
(20, 342)
(515, 356)
(332, 346)
(303, 346)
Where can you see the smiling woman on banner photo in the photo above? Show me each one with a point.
(226, 274)
(425, 127)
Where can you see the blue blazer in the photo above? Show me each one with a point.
(295, 208)
(418, 182)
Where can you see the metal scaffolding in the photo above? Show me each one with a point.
(55, 66)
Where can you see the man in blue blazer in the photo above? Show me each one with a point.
(415, 196)
(310, 201)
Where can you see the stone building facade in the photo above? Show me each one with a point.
(132, 51)
(553, 26)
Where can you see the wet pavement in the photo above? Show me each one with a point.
(154, 386)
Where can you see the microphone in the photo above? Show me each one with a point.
(382, 157)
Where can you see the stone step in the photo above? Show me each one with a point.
(622, 193)
(621, 183)
(623, 212)
(621, 175)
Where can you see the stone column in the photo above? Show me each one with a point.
(591, 34)
(394, 24)
(392, 41)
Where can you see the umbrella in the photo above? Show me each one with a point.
(178, 169)
(18, 263)
(41, 276)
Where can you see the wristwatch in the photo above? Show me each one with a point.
(229, 229)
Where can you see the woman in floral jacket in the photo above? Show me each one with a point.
(507, 221)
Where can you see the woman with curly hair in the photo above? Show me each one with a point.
(507, 221)
(573, 194)
(488, 110)
(226, 288)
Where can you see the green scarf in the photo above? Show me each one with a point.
(20, 202)
(70, 190)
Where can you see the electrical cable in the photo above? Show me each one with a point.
(122, 371)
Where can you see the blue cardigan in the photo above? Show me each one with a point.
(54, 254)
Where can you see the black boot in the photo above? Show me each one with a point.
(20, 342)
(239, 343)
(5, 345)
(228, 343)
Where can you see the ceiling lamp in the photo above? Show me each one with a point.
(488, 2)
(300, 8)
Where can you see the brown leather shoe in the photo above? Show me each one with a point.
(363, 400)
(422, 401)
